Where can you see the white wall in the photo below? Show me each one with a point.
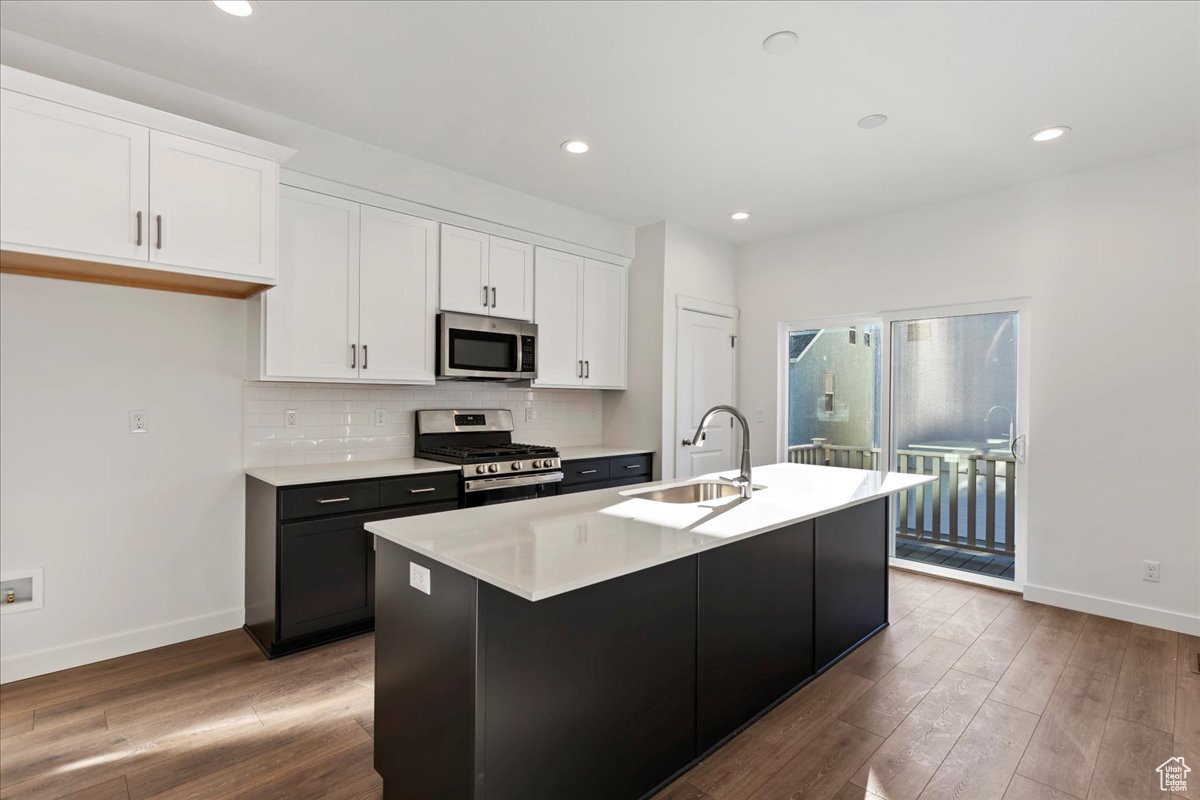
(140, 535)
(337, 423)
(671, 260)
(325, 154)
(1111, 261)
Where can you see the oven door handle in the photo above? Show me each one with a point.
(508, 481)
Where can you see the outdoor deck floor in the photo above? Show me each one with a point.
(1000, 566)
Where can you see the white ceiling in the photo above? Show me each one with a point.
(688, 118)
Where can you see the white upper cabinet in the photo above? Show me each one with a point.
(581, 318)
(482, 274)
(72, 180)
(212, 208)
(604, 325)
(93, 187)
(356, 299)
(464, 271)
(559, 279)
(311, 318)
(398, 286)
(510, 278)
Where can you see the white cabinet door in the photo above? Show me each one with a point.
(72, 180)
(510, 278)
(603, 325)
(560, 324)
(312, 315)
(464, 271)
(212, 208)
(398, 285)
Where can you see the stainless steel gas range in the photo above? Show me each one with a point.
(494, 468)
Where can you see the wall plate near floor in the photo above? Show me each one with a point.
(24, 587)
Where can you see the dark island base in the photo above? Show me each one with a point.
(612, 690)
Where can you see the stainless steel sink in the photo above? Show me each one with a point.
(698, 492)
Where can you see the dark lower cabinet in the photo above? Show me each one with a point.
(754, 629)
(310, 565)
(606, 473)
(850, 578)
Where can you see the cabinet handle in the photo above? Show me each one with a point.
(353, 356)
(587, 369)
(580, 374)
(587, 471)
(158, 231)
(632, 466)
(139, 235)
(493, 297)
(423, 491)
(485, 288)
(334, 500)
(364, 356)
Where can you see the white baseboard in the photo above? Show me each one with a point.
(1116, 609)
(27, 665)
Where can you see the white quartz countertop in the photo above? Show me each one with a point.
(599, 451)
(541, 548)
(347, 471)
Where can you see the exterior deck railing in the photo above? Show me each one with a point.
(946, 511)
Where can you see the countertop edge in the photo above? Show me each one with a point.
(534, 596)
(265, 474)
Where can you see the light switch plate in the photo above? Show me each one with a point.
(418, 577)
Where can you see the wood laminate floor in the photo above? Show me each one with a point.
(970, 694)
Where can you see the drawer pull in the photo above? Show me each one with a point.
(632, 466)
(423, 491)
(334, 500)
(586, 471)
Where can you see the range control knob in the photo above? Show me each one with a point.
(516, 465)
(537, 464)
(480, 469)
(493, 467)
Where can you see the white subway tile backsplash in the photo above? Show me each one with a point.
(337, 423)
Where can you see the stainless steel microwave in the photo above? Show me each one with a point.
(471, 347)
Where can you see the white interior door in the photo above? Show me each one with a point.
(72, 180)
(510, 278)
(704, 378)
(211, 208)
(559, 285)
(397, 295)
(312, 315)
(603, 310)
(464, 269)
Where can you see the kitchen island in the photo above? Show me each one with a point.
(595, 645)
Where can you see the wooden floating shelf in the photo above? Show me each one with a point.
(70, 269)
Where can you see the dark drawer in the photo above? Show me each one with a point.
(585, 471)
(630, 466)
(329, 498)
(429, 488)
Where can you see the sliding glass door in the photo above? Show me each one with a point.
(939, 392)
(954, 416)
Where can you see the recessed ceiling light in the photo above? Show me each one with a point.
(1050, 134)
(780, 41)
(238, 8)
(872, 121)
(575, 146)
(740, 215)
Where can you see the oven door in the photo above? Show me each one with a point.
(489, 491)
(476, 347)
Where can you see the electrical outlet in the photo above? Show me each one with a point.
(137, 421)
(290, 417)
(380, 416)
(418, 577)
(530, 414)
(761, 415)
(1150, 571)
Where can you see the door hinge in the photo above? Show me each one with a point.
(733, 341)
